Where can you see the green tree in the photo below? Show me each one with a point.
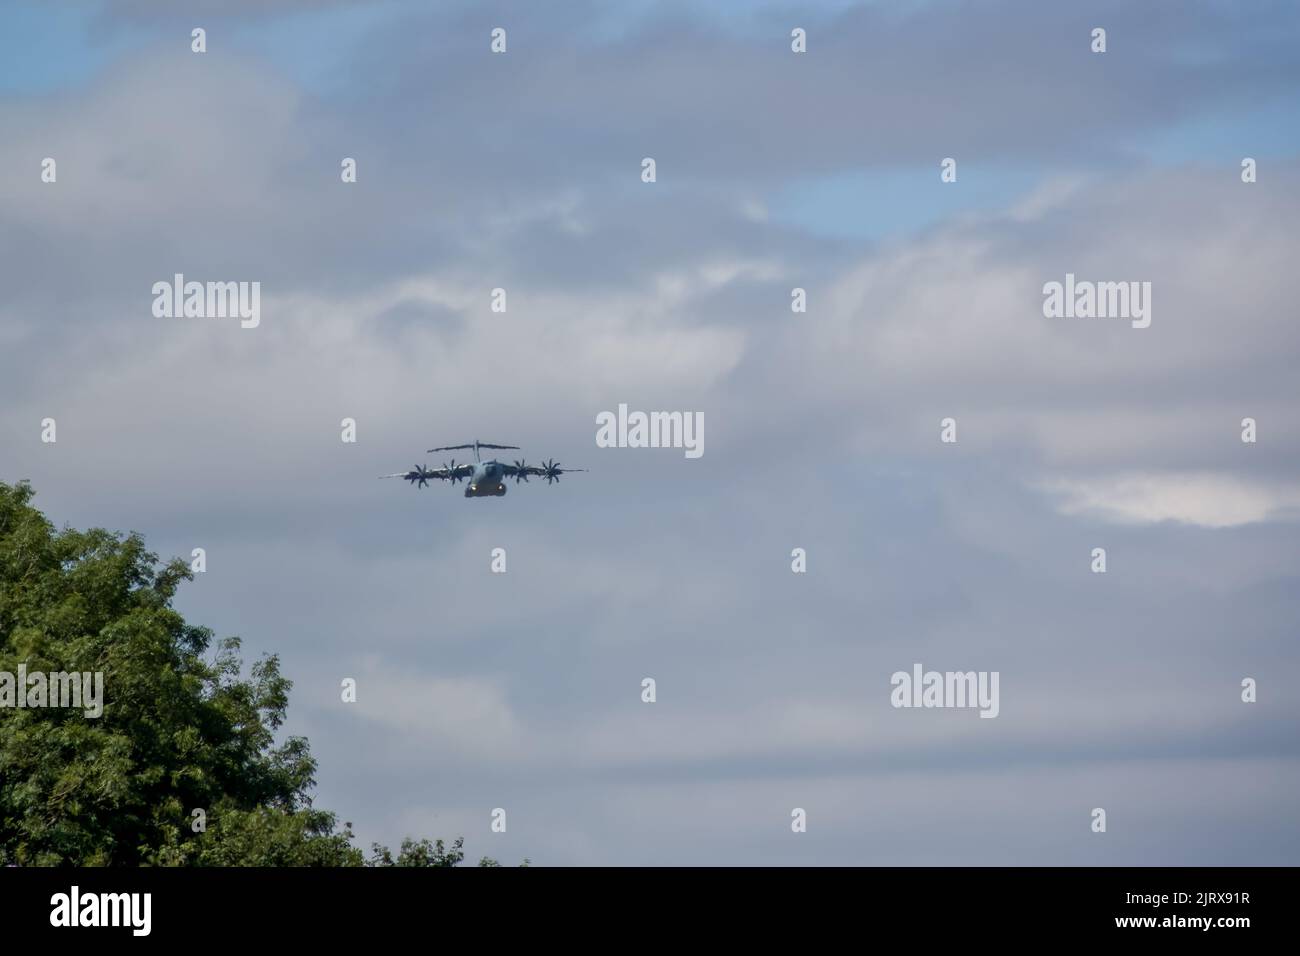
(182, 727)
(424, 853)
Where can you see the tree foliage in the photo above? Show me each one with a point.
(182, 727)
(424, 853)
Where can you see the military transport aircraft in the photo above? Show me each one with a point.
(486, 478)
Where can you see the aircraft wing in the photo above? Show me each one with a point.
(421, 476)
(522, 470)
(550, 470)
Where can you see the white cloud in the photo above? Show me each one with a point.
(467, 715)
(1208, 500)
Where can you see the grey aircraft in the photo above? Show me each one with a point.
(487, 479)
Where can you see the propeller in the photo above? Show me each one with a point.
(551, 470)
(521, 472)
(451, 471)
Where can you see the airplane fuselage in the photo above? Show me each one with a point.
(486, 481)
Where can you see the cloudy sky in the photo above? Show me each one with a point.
(775, 170)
